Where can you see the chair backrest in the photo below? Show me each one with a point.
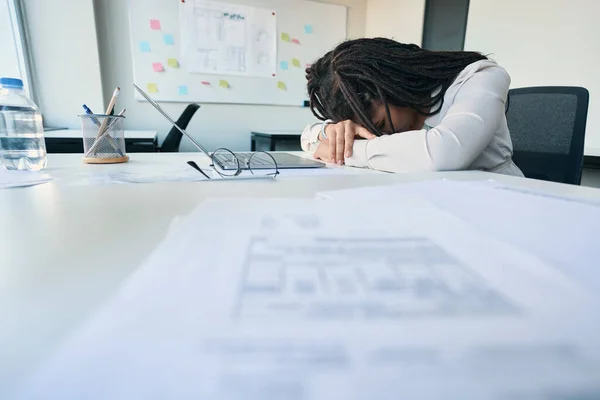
(173, 139)
(547, 126)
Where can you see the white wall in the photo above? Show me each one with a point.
(215, 125)
(66, 66)
(543, 43)
(401, 20)
(552, 42)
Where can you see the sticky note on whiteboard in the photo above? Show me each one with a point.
(308, 29)
(224, 84)
(296, 62)
(168, 38)
(145, 47)
(295, 41)
(281, 85)
(158, 67)
(155, 25)
(284, 65)
(152, 88)
(286, 37)
(173, 63)
(183, 90)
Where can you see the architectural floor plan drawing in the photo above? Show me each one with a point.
(337, 278)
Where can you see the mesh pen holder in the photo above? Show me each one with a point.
(103, 139)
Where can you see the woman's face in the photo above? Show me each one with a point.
(403, 118)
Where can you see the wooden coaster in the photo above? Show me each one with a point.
(113, 160)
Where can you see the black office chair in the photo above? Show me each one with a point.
(547, 126)
(173, 139)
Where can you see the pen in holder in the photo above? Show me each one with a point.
(103, 139)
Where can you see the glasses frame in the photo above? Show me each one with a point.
(236, 172)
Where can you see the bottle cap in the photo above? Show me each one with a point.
(13, 83)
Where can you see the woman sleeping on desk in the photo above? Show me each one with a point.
(398, 108)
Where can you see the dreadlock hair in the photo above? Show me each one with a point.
(345, 83)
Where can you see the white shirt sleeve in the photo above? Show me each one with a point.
(462, 134)
(310, 137)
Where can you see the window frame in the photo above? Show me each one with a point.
(17, 17)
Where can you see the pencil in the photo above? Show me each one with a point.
(109, 109)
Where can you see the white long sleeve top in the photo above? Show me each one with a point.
(469, 133)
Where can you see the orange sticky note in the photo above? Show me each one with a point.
(158, 67)
(173, 63)
(296, 62)
(281, 85)
(224, 84)
(155, 25)
(152, 88)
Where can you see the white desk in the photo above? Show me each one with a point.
(260, 138)
(70, 141)
(592, 151)
(69, 170)
(76, 134)
(88, 239)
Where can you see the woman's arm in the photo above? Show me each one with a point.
(310, 137)
(466, 129)
(337, 143)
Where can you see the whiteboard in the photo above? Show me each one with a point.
(306, 30)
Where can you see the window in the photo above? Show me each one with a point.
(445, 24)
(14, 60)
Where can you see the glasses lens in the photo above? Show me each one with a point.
(262, 164)
(225, 163)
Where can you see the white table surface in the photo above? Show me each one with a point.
(69, 170)
(63, 252)
(76, 134)
(592, 151)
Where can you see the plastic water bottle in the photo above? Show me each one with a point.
(22, 143)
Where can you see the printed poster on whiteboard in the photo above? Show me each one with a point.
(228, 39)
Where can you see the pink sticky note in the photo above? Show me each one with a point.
(295, 41)
(155, 25)
(206, 83)
(158, 67)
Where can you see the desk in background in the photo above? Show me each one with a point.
(591, 158)
(275, 141)
(70, 141)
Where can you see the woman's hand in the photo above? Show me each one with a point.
(322, 152)
(340, 139)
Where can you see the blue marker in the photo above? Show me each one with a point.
(89, 112)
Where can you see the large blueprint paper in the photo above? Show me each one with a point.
(304, 299)
(561, 230)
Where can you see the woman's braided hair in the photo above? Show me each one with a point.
(346, 82)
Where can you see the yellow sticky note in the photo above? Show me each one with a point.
(281, 85)
(152, 88)
(296, 62)
(224, 84)
(286, 37)
(173, 63)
